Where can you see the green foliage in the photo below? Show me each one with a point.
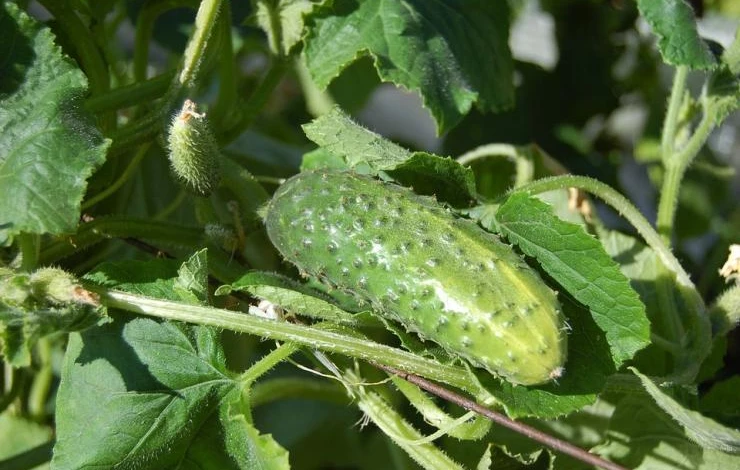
(674, 24)
(41, 97)
(429, 48)
(148, 325)
(166, 383)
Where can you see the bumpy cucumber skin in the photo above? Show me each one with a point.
(193, 151)
(440, 276)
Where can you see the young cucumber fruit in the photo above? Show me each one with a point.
(440, 276)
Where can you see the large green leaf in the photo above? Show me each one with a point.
(674, 23)
(138, 393)
(455, 52)
(48, 144)
(578, 262)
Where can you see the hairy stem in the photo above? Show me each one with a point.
(314, 337)
(670, 124)
(675, 168)
(267, 362)
(205, 20)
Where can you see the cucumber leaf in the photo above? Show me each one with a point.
(337, 134)
(441, 177)
(674, 23)
(49, 145)
(432, 47)
(339, 137)
(168, 398)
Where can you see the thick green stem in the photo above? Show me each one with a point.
(130, 95)
(670, 124)
(675, 168)
(314, 337)
(93, 232)
(193, 57)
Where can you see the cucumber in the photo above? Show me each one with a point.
(193, 151)
(441, 276)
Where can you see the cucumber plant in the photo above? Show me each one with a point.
(206, 261)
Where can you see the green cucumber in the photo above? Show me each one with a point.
(441, 276)
(193, 151)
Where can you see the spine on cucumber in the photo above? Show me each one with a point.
(440, 276)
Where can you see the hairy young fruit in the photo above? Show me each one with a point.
(194, 153)
(440, 276)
